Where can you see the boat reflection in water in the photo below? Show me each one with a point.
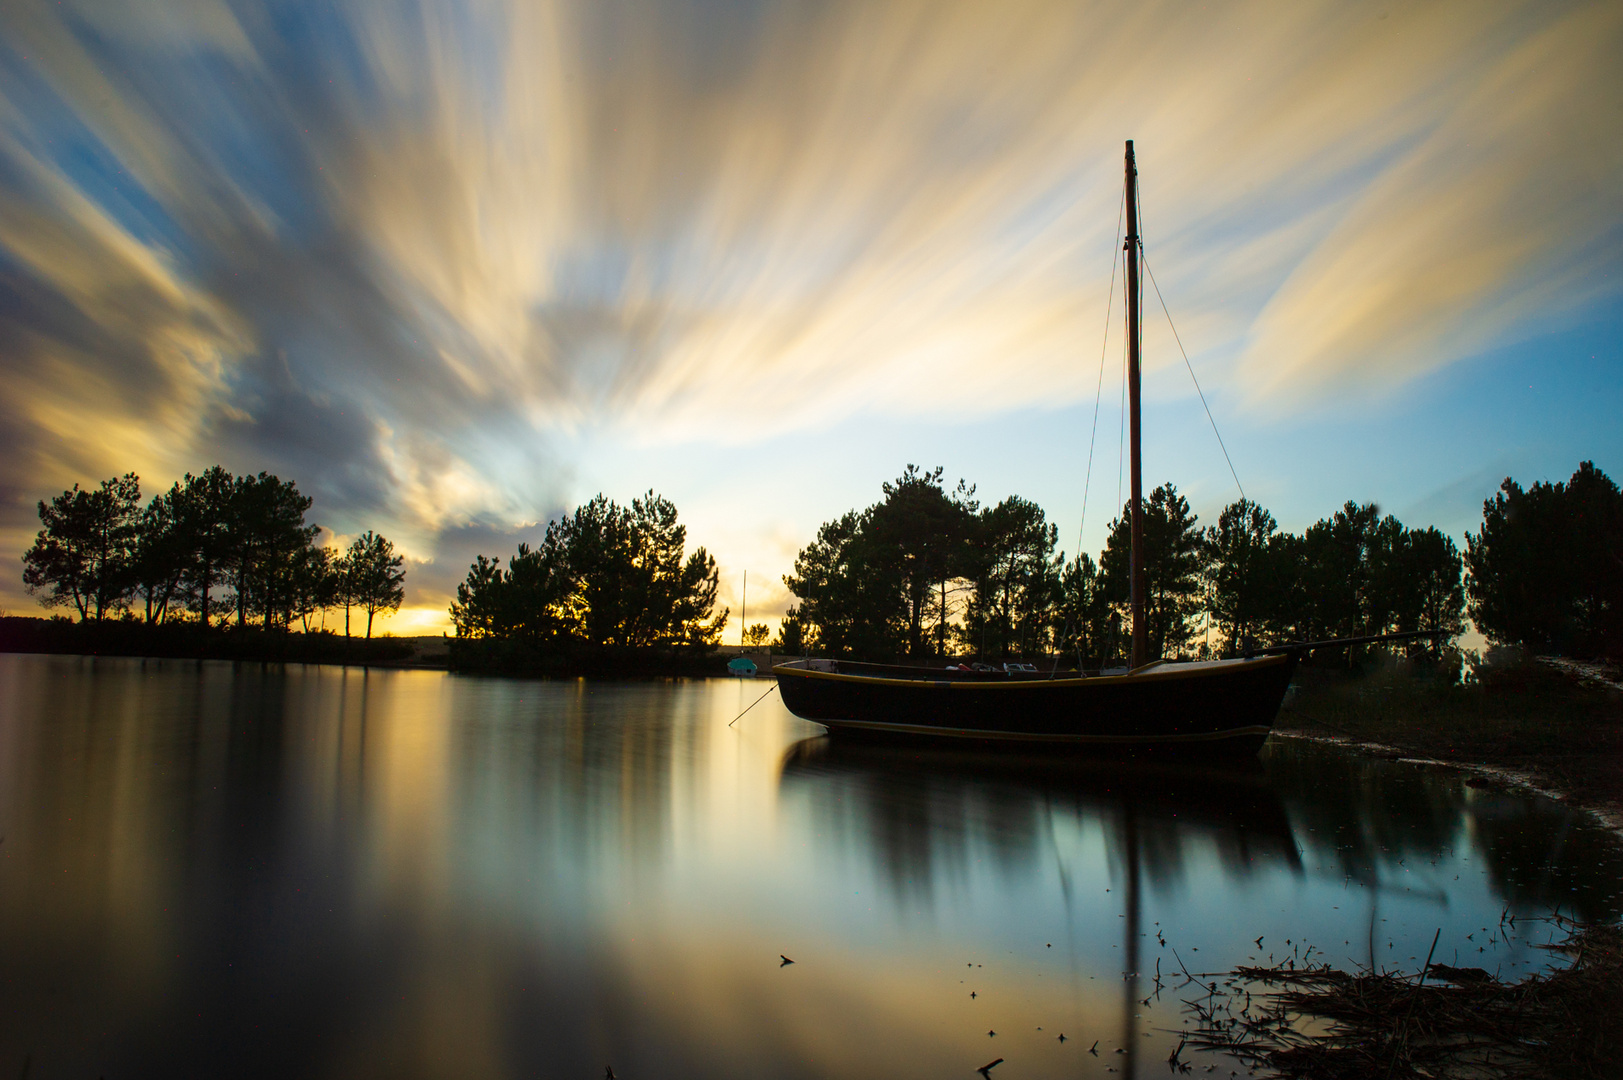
(1151, 815)
(241, 870)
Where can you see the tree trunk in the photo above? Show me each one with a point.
(244, 563)
(101, 579)
(369, 624)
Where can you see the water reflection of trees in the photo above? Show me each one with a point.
(1370, 818)
(924, 815)
(1541, 856)
(569, 778)
(921, 811)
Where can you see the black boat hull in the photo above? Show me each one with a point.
(1222, 705)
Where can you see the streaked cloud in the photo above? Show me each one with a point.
(404, 253)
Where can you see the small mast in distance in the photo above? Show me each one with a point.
(1141, 649)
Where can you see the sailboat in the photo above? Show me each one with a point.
(1157, 703)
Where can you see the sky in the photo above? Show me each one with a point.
(454, 268)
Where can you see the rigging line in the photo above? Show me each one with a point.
(1104, 349)
(1098, 394)
(1151, 274)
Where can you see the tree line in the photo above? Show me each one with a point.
(1546, 568)
(606, 577)
(212, 549)
(929, 572)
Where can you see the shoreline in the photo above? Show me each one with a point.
(1551, 726)
(1608, 812)
(1559, 735)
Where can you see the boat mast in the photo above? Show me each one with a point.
(1140, 637)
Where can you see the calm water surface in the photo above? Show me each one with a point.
(213, 870)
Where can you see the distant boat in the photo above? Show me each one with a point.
(1216, 704)
(742, 666)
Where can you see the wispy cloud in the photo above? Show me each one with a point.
(401, 252)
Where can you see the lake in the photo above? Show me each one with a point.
(212, 869)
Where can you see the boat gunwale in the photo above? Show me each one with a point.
(1000, 735)
(1163, 671)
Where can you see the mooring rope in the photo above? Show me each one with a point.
(752, 705)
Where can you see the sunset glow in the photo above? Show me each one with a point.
(454, 268)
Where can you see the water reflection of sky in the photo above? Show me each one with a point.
(317, 871)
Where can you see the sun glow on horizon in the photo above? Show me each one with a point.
(421, 264)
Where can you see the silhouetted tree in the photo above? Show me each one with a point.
(1429, 591)
(631, 585)
(1358, 573)
(538, 599)
(605, 576)
(1285, 607)
(163, 555)
(211, 544)
(479, 608)
(1339, 556)
(313, 585)
(203, 522)
(873, 581)
(602, 552)
(265, 531)
(1017, 580)
(377, 576)
(1085, 622)
(694, 619)
(1241, 574)
(917, 540)
(844, 610)
(790, 639)
(756, 635)
(83, 556)
(1546, 567)
(1173, 565)
(880, 583)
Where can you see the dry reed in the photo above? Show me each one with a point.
(1320, 1023)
